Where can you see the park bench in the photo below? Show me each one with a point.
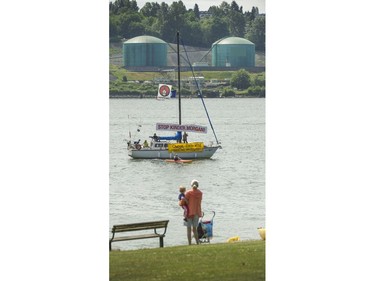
(143, 226)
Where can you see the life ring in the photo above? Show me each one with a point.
(138, 146)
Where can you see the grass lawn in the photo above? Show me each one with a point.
(238, 261)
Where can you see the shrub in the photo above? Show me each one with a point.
(240, 79)
(257, 91)
(228, 93)
(258, 80)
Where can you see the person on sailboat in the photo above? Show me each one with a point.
(184, 137)
(179, 137)
(145, 144)
(194, 198)
(155, 137)
(137, 145)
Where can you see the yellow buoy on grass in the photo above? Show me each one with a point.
(233, 239)
(262, 233)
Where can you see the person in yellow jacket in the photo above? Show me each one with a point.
(145, 143)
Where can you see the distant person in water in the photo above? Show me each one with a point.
(184, 137)
(183, 202)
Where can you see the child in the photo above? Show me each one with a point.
(183, 202)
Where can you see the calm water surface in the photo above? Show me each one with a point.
(232, 181)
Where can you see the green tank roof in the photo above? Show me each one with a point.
(144, 39)
(233, 41)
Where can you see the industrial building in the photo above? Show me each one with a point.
(233, 52)
(148, 53)
(145, 51)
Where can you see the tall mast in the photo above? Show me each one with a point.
(178, 77)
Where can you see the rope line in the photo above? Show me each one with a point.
(199, 92)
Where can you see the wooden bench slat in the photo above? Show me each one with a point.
(139, 226)
(142, 236)
(135, 228)
(145, 223)
(149, 222)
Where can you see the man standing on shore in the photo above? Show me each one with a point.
(194, 198)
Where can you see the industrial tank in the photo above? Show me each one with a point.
(145, 51)
(233, 52)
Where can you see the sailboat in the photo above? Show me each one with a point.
(166, 147)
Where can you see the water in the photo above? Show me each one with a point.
(232, 181)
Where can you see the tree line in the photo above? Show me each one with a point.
(199, 29)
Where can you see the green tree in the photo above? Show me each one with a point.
(237, 23)
(111, 7)
(151, 26)
(163, 23)
(196, 11)
(114, 24)
(240, 79)
(150, 9)
(171, 19)
(256, 32)
(131, 24)
(215, 11)
(234, 6)
(191, 30)
(232, 15)
(122, 6)
(225, 7)
(214, 28)
(133, 6)
(254, 13)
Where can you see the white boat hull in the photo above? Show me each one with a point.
(152, 153)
